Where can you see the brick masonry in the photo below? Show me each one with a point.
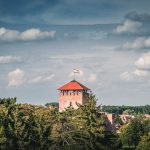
(71, 98)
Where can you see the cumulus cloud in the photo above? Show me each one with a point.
(136, 74)
(142, 71)
(138, 17)
(9, 59)
(16, 78)
(8, 35)
(41, 78)
(134, 23)
(128, 26)
(144, 61)
(138, 43)
(30, 34)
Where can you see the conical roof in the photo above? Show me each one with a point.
(73, 85)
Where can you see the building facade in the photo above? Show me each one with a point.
(72, 94)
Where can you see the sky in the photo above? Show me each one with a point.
(42, 41)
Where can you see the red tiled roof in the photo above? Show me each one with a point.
(73, 85)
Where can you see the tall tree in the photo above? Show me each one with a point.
(144, 144)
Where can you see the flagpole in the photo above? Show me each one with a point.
(74, 75)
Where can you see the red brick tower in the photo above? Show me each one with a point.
(71, 94)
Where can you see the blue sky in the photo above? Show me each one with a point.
(42, 41)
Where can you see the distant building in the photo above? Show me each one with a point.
(109, 120)
(147, 116)
(126, 118)
(71, 94)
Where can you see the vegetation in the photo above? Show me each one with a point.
(53, 104)
(25, 126)
(132, 132)
(144, 143)
(127, 109)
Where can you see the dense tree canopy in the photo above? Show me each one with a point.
(53, 104)
(127, 109)
(132, 132)
(25, 126)
(144, 144)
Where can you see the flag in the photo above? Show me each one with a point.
(76, 71)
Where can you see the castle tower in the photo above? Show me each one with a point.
(71, 94)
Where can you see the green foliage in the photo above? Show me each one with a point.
(54, 104)
(129, 112)
(25, 126)
(8, 101)
(118, 120)
(144, 144)
(127, 109)
(132, 132)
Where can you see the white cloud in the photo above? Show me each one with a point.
(50, 77)
(125, 76)
(144, 61)
(136, 74)
(147, 42)
(8, 35)
(42, 78)
(30, 34)
(36, 79)
(92, 77)
(138, 43)
(141, 72)
(9, 59)
(16, 78)
(128, 26)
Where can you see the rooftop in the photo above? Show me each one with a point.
(73, 85)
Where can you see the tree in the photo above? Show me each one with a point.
(144, 144)
(129, 112)
(136, 130)
(146, 126)
(126, 135)
(127, 109)
(8, 101)
(132, 132)
(53, 104)
(89, 119)
(118, 120)
(25, 126)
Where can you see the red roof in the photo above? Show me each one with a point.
(73, 85)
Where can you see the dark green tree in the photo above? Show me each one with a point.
(144, 144)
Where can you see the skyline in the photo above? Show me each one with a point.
(42, 41)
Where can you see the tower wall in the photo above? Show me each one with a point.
(67, 98)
